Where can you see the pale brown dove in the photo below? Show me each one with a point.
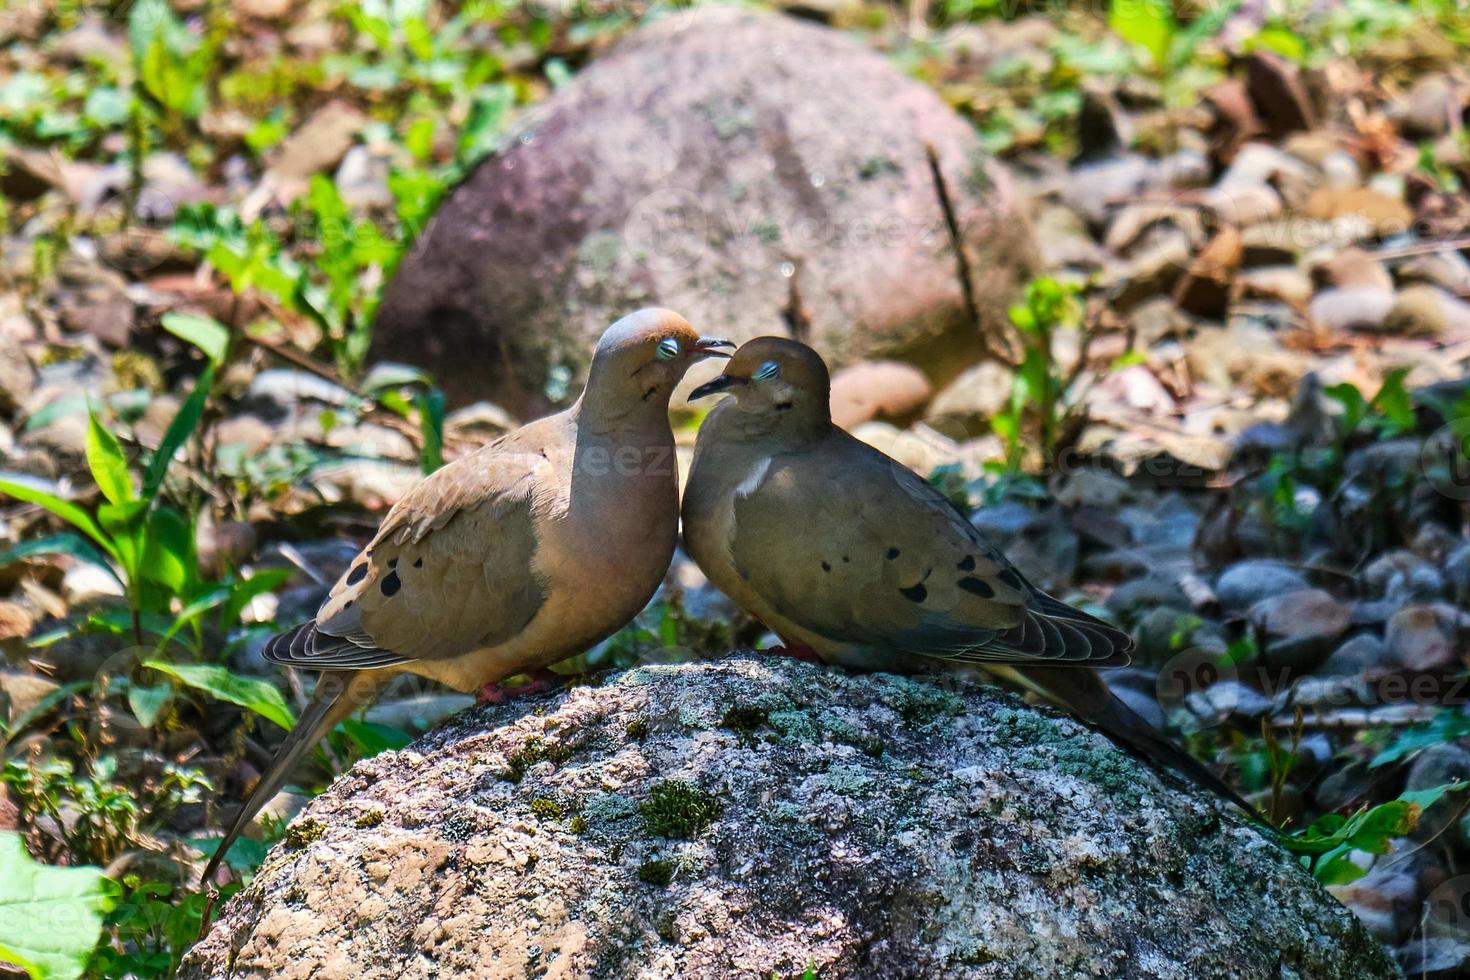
(513, 557)
(844, 551)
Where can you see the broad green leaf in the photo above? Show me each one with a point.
(179, 430)
(50, 918)
(66, 543)
(204, 332)
(372, 737)
(147, 701)
(245, 854)
(1426, 798)
(168, 557)
(1146, 23)
(256, 695)
(108, 463)
(64, 509)
(1337, 867)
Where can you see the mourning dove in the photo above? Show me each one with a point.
(513, 557)
(844, 551)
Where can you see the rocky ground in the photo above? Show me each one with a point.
(1229, 414)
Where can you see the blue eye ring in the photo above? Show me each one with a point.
(668, 349)
(767, 371)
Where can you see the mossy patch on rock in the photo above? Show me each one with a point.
(677, 808)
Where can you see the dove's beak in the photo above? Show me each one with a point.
(722, 383)
(708, 347)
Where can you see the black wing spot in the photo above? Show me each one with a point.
(845, 559)
(1010, 578)
(915, 593)
(977, 586)
(357, 574)
(826, 567)
(418, 563)
(392, 563)
(968, 565)
(391, 585)
(892, 554)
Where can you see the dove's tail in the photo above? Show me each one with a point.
(1083, 692)
(338, 693)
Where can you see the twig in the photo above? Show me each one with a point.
(1420, 248)
(795, 314)
(962, 260)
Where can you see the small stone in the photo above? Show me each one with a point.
(1279, 282)
(1431, 107)
(1246, 583)
(1436, 766)
(1300, 627)
(972, 399)
(84, 584)
(1385, 215)
(1447, 269)
(1357, 656)
(1417, 637)
(887, 390)
(1405, 577)
(1277, 92)
(1386, 899)
(1228, 699)
(1357, 308)
(1352, 267)
(1428, 311)
(1457, 572)
(362, 179)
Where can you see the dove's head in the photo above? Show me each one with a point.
(641, 357)
(776, 377)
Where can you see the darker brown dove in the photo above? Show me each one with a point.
(511, 558)
(840, 549)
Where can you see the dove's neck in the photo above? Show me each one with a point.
(636, 422)
(780, 430)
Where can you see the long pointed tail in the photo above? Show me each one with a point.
(1083, 692)
(329, 704)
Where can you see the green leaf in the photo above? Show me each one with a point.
(179, 430)
(168, 553)
(148, 701)
(219, 682)
(431, 424)
(66, 543)
(204, 332)
(371, 737)
(50, 918)
(64, 509)
(243, 591)
(108, 463)
(1337, 867)
(1147, 23)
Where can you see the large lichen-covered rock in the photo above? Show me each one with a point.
(753, 817)
(709, 161)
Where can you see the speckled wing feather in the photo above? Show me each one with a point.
(449, 571)
(857, 548)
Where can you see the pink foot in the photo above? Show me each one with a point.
(796, 651)
(542, 680)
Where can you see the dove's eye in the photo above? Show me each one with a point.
(767, 371)
(668, 348)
